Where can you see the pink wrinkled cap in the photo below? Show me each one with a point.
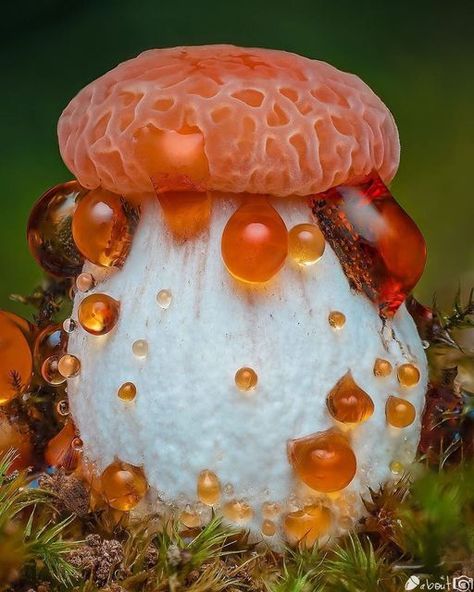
(228, 119)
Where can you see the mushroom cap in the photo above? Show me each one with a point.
(230, 119)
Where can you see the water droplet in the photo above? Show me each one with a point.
(324, 460)
(50, 371)
(69, 366)
(140, 348)
(63, 408)
(255, 242)
(49, 230)
(123, 485)
(237, 511)
(190, 518)
(127, 392)
(271, 510)
(425, 344)
(85, 282)
(69, 325)
(77, 443)
(382, 368)
(208, 488)
(306, 244)
(337, 319)
(98, 313)
(268, 528)
(399, 412)
(246, 379)
(408, 375)
(348, 403)
(306, 526)
(164, 298)
(380, 248)
(103, 226)
(396, 467)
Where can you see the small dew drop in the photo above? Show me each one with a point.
(63, 408)
(396, 467)
(127, 392)
(98, 313)
(382, 368)
(69, 366)
(337, 319)
(164, 298)
(140, 348)
(408, 375)
(69, 325)
(237, 511)
(208, 488)
(246, 379)
(50, 371)
(85, 282)
(189, 518)
(305, 244)
(77, 443)
(268, 528)
(425, 344)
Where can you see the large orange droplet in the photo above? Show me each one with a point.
(348, 403)
(123, 485)
(324, 461)
(103, 226)
(98, 313)
(62, 450)
(16, 361)
(255, 242)
(399, 412)
(49, 230)
(174, 160)
(308, 525)
(186, 213)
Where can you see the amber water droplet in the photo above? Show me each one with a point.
(324, 460)
(98, 313)
(306, 244)
(348, 403)
(51, 341)
(123, 485)
(164, 298)
(380, 248)
(408, 375)
(337, 319)
(69, 366)
(50, 371)
(63, 408)
(382, 368)
(396, 467)
(208, 488)
(399, 412)
(103, 226)
(268, 528)
(69, 326)
(140, 348)
(306, 526)
(16, 360)
(85, 282)
(186, 214)
(246, 379)
(237, 511)
(62, 450)
(190, 518)
(254, 242)
(271, 510)
(127, 392)
(49, 230)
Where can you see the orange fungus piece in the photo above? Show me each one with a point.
(98, 313)
(62, 450)
(16, 361)
(255, 242)
(324, 460)
(103, 226)
(348, 403)
(400, 413)
(123, 485)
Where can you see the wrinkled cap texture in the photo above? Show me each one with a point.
(228, 119)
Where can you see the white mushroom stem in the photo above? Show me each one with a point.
(188, 414)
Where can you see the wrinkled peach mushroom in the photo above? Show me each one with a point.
(245, 273)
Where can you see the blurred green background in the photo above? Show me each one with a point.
(418, 56)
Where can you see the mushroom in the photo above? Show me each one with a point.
(241, 332)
